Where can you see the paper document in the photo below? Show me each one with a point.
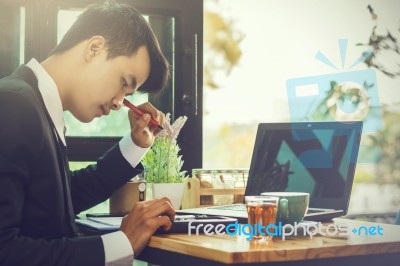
(101, 224)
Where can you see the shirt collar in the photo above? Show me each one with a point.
(51, 97)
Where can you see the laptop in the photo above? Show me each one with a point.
(315, 157)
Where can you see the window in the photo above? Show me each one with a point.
(12, 37)
(269, 42)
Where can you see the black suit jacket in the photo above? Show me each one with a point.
(39, 196)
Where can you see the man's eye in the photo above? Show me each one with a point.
(124, 83)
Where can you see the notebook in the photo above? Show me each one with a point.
(99, 224)
(315, 157)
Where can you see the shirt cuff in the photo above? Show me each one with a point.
(117, 249)
(131, 152)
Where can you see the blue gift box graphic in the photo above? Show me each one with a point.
(307, 93)
(342, 96)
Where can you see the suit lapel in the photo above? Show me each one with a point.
(27, 74)
(62, 158)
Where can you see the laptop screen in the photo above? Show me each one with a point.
(314, 157)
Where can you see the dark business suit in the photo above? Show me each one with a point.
(39, 196)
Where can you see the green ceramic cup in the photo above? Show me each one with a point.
(292, 206)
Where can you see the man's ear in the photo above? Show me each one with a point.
(96, 46)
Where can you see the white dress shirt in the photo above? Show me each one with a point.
(117, 248)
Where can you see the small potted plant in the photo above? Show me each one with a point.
(163, 163)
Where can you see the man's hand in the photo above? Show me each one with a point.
(142, 131)
(144, 219)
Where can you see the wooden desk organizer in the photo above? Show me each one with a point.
(193, 193)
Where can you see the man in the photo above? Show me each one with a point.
(108, 53)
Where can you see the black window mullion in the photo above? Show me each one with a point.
(32, 28)
(48, 28)
(189, 98)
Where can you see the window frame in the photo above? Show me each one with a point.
(185, 99)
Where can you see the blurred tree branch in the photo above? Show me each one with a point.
(385, 47)
(222, 41)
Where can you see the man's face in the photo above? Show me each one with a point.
(104, 83)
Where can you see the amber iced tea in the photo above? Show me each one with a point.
(262, 211)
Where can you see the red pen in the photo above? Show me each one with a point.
(140, 113)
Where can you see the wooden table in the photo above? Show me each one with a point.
(353, 249)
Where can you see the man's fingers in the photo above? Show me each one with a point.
(150, 109)
(161, 207)
(155, 208)
(164, 222)
(143, 125)
(143, 121)
(147, 108)
(133, 115)
(144, 220)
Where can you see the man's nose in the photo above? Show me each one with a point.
(117, 104)
(117, 101)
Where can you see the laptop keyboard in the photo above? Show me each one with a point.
(233, 207)
(242, 207)
(313, 211)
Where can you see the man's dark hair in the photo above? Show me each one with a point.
(125, 31)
